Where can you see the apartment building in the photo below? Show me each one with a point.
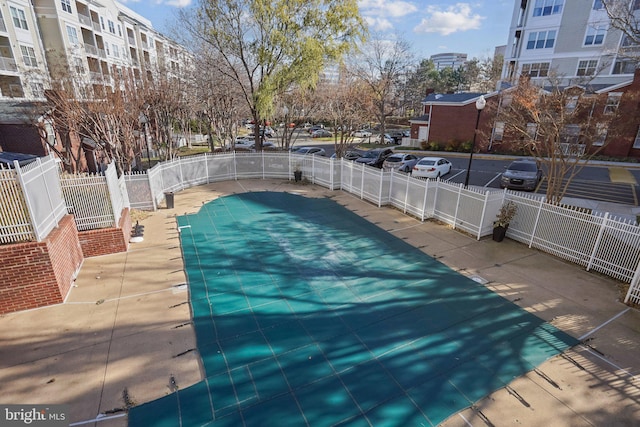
(449, 60)
(23, 66)
(569, 39)
(92, 41)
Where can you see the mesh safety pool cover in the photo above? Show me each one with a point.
(307, 314)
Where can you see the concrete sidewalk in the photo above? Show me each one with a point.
(123, 336)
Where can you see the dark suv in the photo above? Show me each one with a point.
(521, 175)
(375, 157)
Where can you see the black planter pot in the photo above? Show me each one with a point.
(297, 175)
(499, 232)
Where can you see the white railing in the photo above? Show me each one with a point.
(40, 185)
(601, 243)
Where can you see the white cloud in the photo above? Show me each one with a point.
(378, 24)
(178, 3)
(386, 8)
(458, 17)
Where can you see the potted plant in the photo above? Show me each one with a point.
(297, 173)
(504, 217)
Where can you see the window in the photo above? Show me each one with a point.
(629, 41)
(116, 51)
(601, 135)
(636, 142)
(73, 35)
(547, 7)
(112, 28)
(66, 6)
(635, 5)
(572, 103)
(624, 66)
(19, 19)
(598, 5)
(119, 30)
(540, 69)
(541, 39)
(570, 134)
(595, 36)
(498, 131)
(532, 130)
(79, 64)
(29, 56)
(106, 48)
(102, 23)
(37, 90)
(613, 101)
(587, 68)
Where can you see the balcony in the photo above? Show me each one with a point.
(8, 64)
(91, 49)
(84, 19)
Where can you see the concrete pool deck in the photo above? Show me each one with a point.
(123, 336)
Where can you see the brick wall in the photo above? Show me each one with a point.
(37, 274)
(107, 240)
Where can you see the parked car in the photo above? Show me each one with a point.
(397, 135)
(362, 133)
(267, 132)
(431, 167)
(385, 139)
(321, 133)
(311, 151)
(314, 128)
(244, 143)
(521, 175)
(375, 157)
(402, 162)
(349, 155)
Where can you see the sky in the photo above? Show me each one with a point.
(430, 26)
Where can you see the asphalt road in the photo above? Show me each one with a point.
(608, 182)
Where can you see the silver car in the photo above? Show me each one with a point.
(402, 162)
(521, 175)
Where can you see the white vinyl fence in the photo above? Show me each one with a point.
(605, 244)
(601, 243)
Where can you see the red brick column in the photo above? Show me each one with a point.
(37, 274)
(106, 241)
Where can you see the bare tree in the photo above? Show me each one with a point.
(380, 67)
(266, 47)
(564, 128)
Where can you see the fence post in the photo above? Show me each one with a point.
(390, 186)
(235, 167)
(424, 201)
(362, 182)
(34, 224)
(633, 286)
(153, 197)
(535, 224)
(455, 215)
(598, 239)
(484, 211)
(109, 175)
(406, 193)
(331, 162)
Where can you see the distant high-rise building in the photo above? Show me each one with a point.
(449, 60)
(570, 40)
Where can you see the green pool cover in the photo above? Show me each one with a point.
(307, 314)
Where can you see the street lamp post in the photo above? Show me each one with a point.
(480, 104)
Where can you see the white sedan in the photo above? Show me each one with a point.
(362, 134)
(431, 167)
